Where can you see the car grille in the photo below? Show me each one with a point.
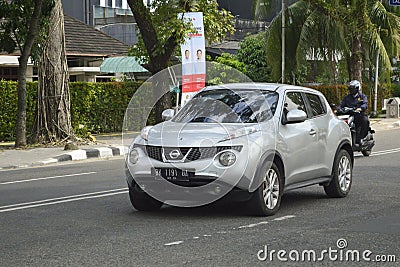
(191, 153)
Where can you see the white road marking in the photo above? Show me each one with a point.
(53, 201)
(240, 227)
(47, 178)
(284, 218)
(385, 152)
(174, 243)
(252, 225)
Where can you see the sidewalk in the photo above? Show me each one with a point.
(107, 146)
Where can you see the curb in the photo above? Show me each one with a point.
(76, 155)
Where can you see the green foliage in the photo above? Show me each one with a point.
(8, 107)
(225, 69)
(95, 107)
(253, 54)
(165, 19)
(396, 89)
(334, 27)
(15, 25)
(232, 61)
(334, 94)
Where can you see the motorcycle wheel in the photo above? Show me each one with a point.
(366, 153)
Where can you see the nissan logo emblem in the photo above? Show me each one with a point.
(174, 154)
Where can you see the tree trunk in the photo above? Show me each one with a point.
(53, 116)
(158, 62)
(355, 61)
(20, 133)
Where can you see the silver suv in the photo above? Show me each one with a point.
(248, 141)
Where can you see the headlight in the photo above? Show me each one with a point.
(144, 133)
(227, 158)
(133, 156)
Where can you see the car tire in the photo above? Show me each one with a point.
(342, 175)
(267, 198)
(141, 201)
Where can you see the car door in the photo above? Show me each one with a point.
(320, 119)
(298, 142)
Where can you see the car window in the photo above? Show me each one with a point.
(317, 108)
(228, 106)
(294, 100)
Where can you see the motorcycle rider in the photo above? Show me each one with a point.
(356, 99)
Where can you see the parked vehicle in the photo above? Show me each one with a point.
(367, 143)
(248, 141)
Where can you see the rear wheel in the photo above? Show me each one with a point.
(142, 201)
(341, 176)
(267, 198)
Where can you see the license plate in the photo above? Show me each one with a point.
(173, 174)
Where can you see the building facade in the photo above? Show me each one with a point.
(113, 17)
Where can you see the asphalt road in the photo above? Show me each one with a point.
(79, 214)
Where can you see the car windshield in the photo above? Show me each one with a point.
(228, 106)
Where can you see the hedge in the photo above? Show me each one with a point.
(95, 107)
(334, 94)
(8, 108)
(100, 107)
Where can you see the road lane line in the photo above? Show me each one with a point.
(174, 243)
(252, 225)
(284, 217)
(61, 198)
(47, 178)
(63, 201)
(229, 232)
(385, 152)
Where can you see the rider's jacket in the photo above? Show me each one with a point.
(358, 101)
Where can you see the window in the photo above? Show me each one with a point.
(9, 73)
(294, 100)
(109, 3)
(118, 3)
(227, 106)
(317, 108)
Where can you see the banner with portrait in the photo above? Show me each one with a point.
(193, 57)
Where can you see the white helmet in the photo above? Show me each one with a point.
(354, 87)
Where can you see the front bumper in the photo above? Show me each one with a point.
(211, 178)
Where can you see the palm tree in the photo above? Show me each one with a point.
(354, 30)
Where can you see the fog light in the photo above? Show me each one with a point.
(227, 158)
(133, 156)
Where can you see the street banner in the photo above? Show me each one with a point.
(193, 57)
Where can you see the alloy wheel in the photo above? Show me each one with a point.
(271, 189)
(344, 173)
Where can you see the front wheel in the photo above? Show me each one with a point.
(267, 198)
(142, 201)
(341, 176)
(366, 153)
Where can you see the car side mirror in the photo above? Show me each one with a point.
(167, 114)
(296, 116)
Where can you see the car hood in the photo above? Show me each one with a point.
(171, 134)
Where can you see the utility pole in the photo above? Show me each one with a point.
(376, 85)
(376, 79)
(283, 41)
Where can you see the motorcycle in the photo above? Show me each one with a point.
(347, 114)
